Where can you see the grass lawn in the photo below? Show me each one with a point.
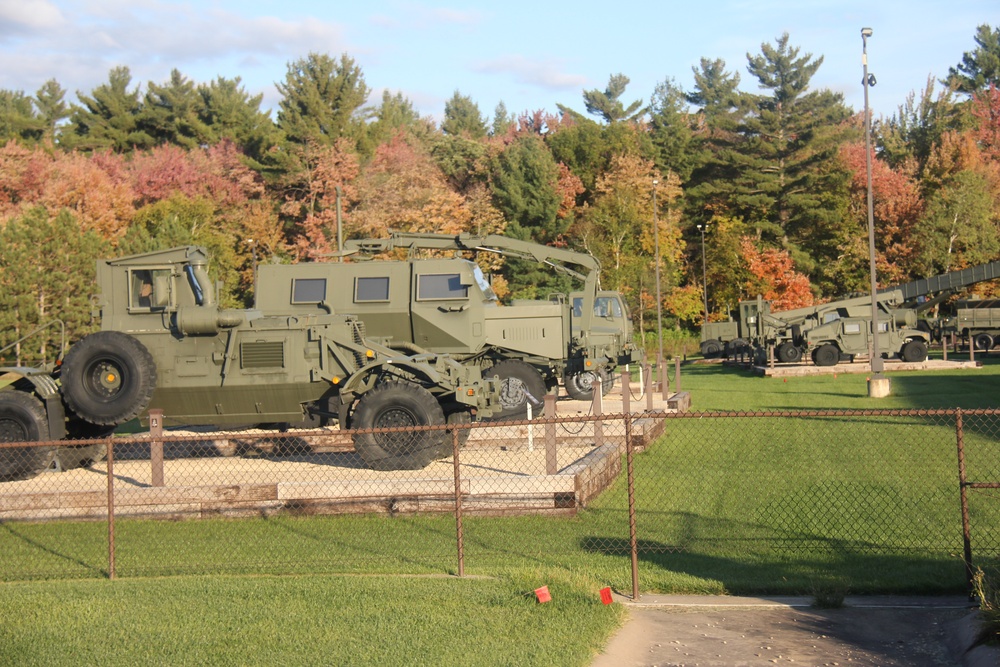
(263, 592)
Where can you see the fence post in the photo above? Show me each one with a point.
(597, 408)
(944, 348)
(156, 446)
(648, 390)
(632, 539)
(677, 374)
(459, 539)
(963, 493)
(551, 455)
(111, 508)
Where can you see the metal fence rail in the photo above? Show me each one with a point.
(649, 486)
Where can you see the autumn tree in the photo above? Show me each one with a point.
(897, 205)
(310, 196)
(393, 115)
(772, 275)
(402, 189)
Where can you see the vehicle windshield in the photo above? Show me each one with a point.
(483, 283)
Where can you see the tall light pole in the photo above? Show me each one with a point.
(702, 227)
(659, 301)
(869, 80)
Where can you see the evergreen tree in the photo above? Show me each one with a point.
(671, 131)
(907, 138)
(171, 113)
(523, 177)
(785, 179)
(322, 99)
(109, 117)
(463, 118)
(46, 273)
(52, 107)
(17, 117)
(395, 114)
(981, 66)
(231, 113)
(959, 228)
(607, 104)
(503, 121)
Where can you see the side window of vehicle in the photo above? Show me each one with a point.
(308, 290)
(440, 286)
(149, 289)
(371, 289)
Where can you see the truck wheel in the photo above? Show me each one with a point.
(108, 377)
(826, 355)
(518, 381)
(711, 349)
(580, 386)
(22, 419)
(788, 353)
(393, 405)
(984, 341)
(914, 351)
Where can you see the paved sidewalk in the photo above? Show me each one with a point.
(729, 631)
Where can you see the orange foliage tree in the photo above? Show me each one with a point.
(774, 277)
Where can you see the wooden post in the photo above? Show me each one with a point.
(944, 348)
(597, 408)
(677, 375)
(156, 446)
(647, 388)
(551, 455)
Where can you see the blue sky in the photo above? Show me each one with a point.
(530, 55)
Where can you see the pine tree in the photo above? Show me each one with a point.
(981, 66)
(109, 117)
(463, 118)
(171, 113)
(322, 99)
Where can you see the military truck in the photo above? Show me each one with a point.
(446, 305)
(165, 343)
(977, 321)
(835, 324)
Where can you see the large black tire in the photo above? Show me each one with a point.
(518, 381)
(914, 351)
(826, 355)
(788, 353)
(712, 349)
(22, 419)
(580, 386)
(108, 378)
(984, 342)
(399, 404)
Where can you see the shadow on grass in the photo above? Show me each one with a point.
(20, 535)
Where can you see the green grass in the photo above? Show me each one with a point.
(328, 620)
(726, 505)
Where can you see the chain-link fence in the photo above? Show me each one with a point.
(640, 497)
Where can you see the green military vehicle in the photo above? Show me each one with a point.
(977, 321)
(165, 343)
(446, 305)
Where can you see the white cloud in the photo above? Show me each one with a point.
(545, 74)
(20, 16)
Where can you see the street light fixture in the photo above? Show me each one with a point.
(703, 227)
(867, 81)
(659, 300)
